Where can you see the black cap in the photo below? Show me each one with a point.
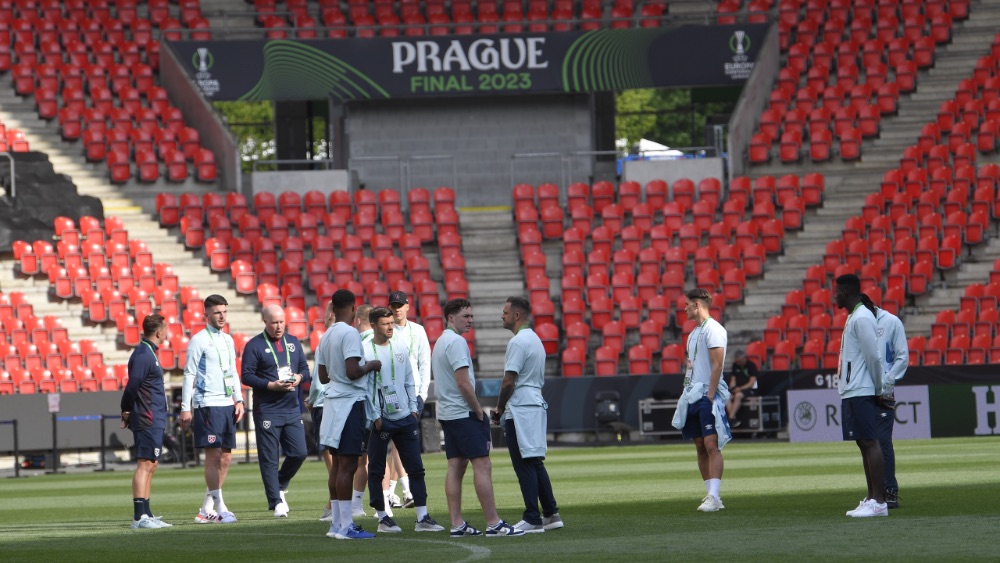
(398, 297)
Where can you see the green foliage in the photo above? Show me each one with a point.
(784, 502)
(253, 125)
(670, 117)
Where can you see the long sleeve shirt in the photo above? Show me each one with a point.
(414, 337)
(892, 344)
(261, 360)
(861, 370)
(211, 358)
(144, 396)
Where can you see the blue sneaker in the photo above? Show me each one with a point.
(356, 532)
(502, 529)
(464, 530)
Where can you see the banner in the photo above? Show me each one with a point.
(815, 416)
(965, 410)
(470, 65)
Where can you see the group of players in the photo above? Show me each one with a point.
(371, 377)
(369, 393)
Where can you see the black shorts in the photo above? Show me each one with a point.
(214, 427)
(700, 420)
(352, 437)
(860, 418)
(467, 437)
(148, 443)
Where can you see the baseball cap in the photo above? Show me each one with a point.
(398, 297)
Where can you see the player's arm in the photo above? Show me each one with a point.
(194, 353)
(716, 356)
(137, 371)
(423, 364)
(249, 377)
(468, 391)
(902, 359)
(356, 371)
(865, 331)
(411, 388)
(506, 390)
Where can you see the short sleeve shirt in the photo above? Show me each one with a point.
(702, 339)
(526, 357)
(340, 342)
(451, 353)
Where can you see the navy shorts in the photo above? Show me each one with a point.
(148, 443)
(317, 418)
(215, 427)
(467, 437)
(860, 417)
(700, 421)
(352, 438)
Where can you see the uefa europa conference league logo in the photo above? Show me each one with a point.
(202, 62)
(742, 66)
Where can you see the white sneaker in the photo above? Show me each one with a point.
(206, 517)
(408, 501)
(871, 508)
(145, 523)
(388, 526)
(281, 510)
(226, 517)
(859, 507)
(327, 515)
(393, 500)
(358, 513)
(159, 522)
(710, 504)
(529, 528)
(337, 534)
(283, 501)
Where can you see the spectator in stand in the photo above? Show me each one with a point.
(742, 383)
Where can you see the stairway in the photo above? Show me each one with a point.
(847, 184)
(134, 204)
(493, 266)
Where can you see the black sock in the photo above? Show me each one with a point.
(138, 508)
(145, 508)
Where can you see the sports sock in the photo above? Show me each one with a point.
(392, 487)
(405, 482)
(708, 487)
(138, 508)
(381, 514)
(421, 513)
(145, 508)
(335, 512)
(357, 501)
(218, 503)
(713, 487)
(208, 506)
(346, 520)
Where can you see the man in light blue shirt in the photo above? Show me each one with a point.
(466, 428)
(522, 411)
(211, 387)
(896, 355)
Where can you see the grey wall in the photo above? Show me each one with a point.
(753, 99)
(34, 422)
(301, 181)
(694, 169)
(481, 134)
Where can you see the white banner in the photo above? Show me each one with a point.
(814, 415)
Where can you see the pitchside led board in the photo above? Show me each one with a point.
(815, 415)
(469, 65)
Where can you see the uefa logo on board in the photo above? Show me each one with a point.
(805, 416)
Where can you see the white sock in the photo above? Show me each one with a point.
(421, 513)
(335, 512)
(392, 487)
(208, 506)
(708, 486)
(385, 502)
(220, 504)
(381, 514)
(405, 482)
(713, 487)
(346, 519)
(357, 501)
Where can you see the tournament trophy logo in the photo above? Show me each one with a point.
(203, 61)
(742, 66)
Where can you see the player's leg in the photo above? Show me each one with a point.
(453, 489)
(886, 422)
(406, 440)
(360, 485)
(267, 433)
(293, 444)
(527, 478)
(378, 444)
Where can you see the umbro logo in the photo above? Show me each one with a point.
(708, 426)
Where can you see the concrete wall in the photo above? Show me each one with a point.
(481, 135)
(34, 422)
(301, 181)
(753, 99)
(694, 169)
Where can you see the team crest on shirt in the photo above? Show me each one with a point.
(211, 438)
(267, 425)
(880, 331)
(156, 452)
(291, 347)
(400, 357)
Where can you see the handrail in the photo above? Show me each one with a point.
(13, 176)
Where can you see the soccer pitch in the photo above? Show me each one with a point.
(783, 502)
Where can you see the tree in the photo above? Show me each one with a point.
(633, 121)
(253, 125)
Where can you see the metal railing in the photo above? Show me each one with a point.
(325, 164)
(13, 176)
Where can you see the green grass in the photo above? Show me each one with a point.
(783, 502)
